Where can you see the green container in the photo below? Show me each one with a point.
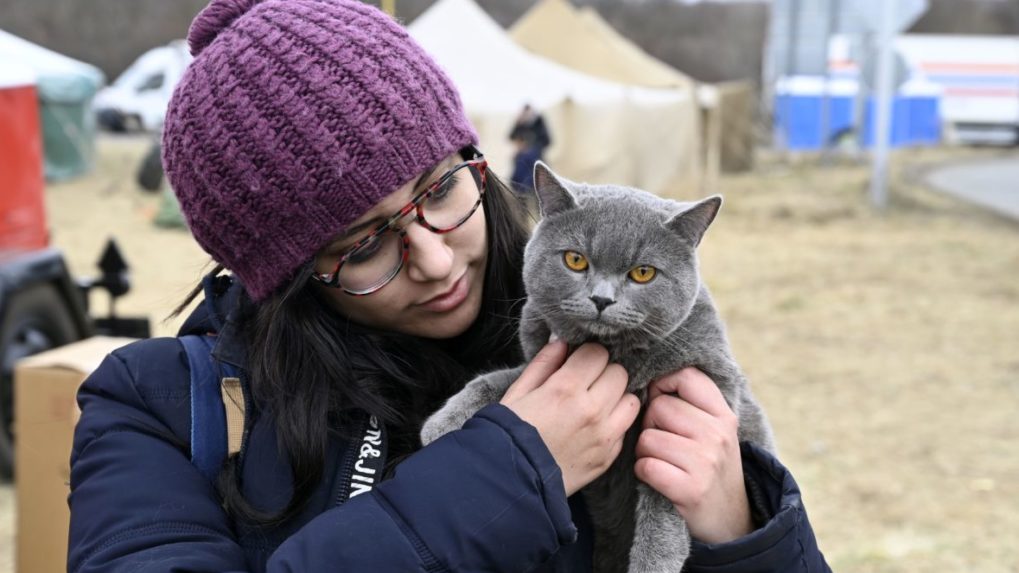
(68, 123)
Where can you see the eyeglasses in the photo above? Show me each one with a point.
(372, 262)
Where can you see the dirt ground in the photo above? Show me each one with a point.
(884, 345)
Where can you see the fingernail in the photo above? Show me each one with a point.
(552, 338)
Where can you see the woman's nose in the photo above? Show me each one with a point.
(430, 257)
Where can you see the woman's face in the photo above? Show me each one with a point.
(437, 293)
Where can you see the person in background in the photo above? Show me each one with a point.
(530, 137)
(368, 265)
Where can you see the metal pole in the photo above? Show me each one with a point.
(1015, 18)
(883, 104)
(865, 48)
(792, 45)
(826, 140)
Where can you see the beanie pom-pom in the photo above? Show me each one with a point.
(214, 18)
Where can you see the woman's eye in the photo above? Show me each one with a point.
(445, 189)
(642, 274)
(575, 261)
(365, 252)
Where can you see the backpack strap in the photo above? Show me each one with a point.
(217, 422)
(214, 399)
(233, 403)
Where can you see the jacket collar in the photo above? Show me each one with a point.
(219, 314)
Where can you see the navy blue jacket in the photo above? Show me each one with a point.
(489, 497)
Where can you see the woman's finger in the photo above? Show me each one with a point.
(663, 477)
(583, 367)
(548, 360)
(609, 387)
(624, 414)
(679, 451)
(695, 387)
(677, 416)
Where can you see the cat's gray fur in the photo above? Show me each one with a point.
(651, 329)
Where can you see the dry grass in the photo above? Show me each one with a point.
(884, 345)
(85, 212)
(886, 349)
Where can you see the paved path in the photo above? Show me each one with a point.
(991, 183)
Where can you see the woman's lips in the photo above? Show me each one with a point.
(450, 299)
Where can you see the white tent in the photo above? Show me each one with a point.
(43, 61)
(602, 131)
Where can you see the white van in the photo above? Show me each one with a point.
(138, 98)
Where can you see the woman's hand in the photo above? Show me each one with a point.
(579, 406)
(689, 452)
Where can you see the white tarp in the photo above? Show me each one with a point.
(16, 75)
(602, 131)
(45, 63)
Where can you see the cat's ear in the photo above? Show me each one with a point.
(692, 223)
(553, 197)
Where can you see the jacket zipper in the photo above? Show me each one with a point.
(347, 469)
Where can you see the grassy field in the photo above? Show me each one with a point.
(885, 345)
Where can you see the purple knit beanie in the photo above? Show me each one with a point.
(295, 118)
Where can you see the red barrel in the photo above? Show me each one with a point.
(22, 209)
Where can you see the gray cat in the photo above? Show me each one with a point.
(618, 266)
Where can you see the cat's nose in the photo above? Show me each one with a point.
(601, 302)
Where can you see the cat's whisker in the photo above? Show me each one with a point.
(503, 316)
(663, 332)
(672, 344)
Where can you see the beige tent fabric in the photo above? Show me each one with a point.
(582, 40)
(728, 130)
(660, 146)
(736, 105)
(602, 131)
(641, 67)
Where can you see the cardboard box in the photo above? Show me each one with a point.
(45, 413)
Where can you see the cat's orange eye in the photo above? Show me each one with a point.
(642, 274)
(575, 261)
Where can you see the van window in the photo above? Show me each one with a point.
(153, 82)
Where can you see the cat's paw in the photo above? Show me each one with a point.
(477, 394)
(661, 540)
(440, 424)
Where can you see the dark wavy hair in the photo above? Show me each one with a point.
(311, 369)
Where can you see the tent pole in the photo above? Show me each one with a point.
(883, 103)
(834, 6)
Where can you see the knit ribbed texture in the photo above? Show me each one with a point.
(295, 118)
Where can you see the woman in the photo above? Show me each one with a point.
(326, 161)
